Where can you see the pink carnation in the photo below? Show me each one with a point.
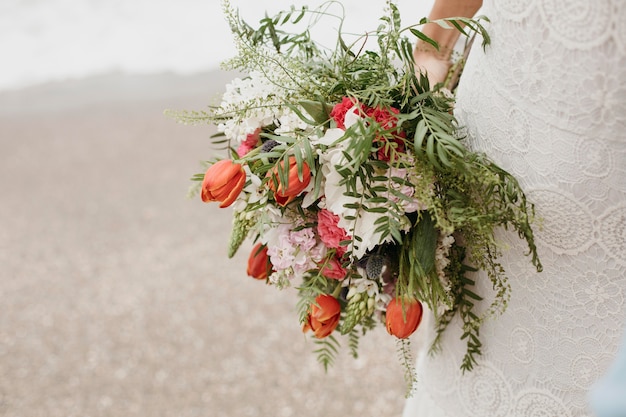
(329, 231)
(252, 140)
(332, 269)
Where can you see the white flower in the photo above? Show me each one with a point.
(330, 137)
(289, 122)
(268, 222)
(302, 263)
(371, 288)
(281, 279)
(360, 285)
(251, 193)
(333, 189)
(309, 196)
(251, 103)
(352, 117)
(365, 224)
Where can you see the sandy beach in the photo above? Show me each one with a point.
(117, 296)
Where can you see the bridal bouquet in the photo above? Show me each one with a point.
(346, 170)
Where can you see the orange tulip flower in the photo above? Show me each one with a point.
(286, 193)
(403, 317)
(223, 182)
(259, 265)
(323, 316)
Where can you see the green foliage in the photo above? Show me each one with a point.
(269, 32)
(327, 350)
(313, 285)
(353, 343)
(191, 117)
(194, 189)
(406, 360)
(358, 307)
(241, 227)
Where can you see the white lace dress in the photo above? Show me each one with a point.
(547, 101)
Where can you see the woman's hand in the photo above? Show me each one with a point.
(432, 64)
(436, 63)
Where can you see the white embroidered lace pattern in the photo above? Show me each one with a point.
(547, 101)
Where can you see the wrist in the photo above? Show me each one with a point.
(424, 49)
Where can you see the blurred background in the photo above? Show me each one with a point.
(116, 293)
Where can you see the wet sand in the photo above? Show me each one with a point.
(116, 293)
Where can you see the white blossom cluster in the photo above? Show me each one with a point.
(253, 102)
(371, 288)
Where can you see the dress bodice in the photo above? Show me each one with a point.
(547, 102)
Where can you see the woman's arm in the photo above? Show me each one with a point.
(437, 63)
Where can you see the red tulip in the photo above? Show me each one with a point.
(259, 265)
(286, 193)
(403, 317)
(323, 316)
(223, 182)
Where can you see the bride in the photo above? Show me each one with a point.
(547, 101)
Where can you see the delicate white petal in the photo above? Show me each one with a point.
(330, 137)
(310, 197)
(352, 117)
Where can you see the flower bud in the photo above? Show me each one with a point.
(323, 316)
(223, 182)
(403, 317)
(286, 193)
(351, 293)
(259, 265)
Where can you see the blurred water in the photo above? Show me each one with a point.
(53, 40)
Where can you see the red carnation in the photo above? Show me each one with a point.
(338, 113)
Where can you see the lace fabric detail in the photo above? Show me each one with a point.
(546, 101)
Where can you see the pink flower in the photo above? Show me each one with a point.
(332, 269)
(280, 250)
(303, 238)
(329, 231)
(251, 142)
